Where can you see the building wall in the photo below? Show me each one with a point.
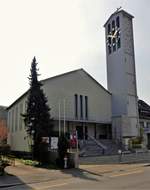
(17, 136)
(99, 101)
(57, 90)
(145, 125)
(121, 78)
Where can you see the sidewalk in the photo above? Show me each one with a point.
(109, 168)
(23, 174)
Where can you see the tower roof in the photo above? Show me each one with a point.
(120, 11)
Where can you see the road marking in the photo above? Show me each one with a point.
(127, 173)
(46, 185)
(55, 185)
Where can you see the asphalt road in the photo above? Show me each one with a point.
(123, 178)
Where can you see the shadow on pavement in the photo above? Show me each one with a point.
(13, 182)
(80, 173)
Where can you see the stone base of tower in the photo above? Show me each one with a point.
(123, 129)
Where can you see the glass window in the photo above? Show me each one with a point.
(16, 119)
(81, 106)
(109, 49)
(20, 117)
(8, 121)
(114, 44)
(113, 26)
(109, 44)
(118, 22)
(118, 43)
(109, 29)
(148, 125)
(142, 124)
(12, 121)
(86, 107)
(76, 105)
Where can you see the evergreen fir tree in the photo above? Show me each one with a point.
(37, 118)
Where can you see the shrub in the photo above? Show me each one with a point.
(4, 149)
(3, 164)
(136, 142)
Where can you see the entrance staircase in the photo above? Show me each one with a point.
(93, 147)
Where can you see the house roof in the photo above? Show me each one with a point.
(57, 76)
(144, 110)
(120, 11)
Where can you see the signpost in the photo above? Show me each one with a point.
(54, 142)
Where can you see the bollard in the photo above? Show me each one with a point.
(65, 162)
(120, 155)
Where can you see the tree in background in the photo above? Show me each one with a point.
(37, 118)
(3, 132)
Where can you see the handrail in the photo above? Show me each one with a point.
(97, 142)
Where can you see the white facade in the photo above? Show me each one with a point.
(89, 108)
(121, 75)
(57, 89)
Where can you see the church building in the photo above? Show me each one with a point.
(78, 102)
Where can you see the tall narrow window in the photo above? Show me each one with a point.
(109, 44)
(16, 119)
(114, 44)
(118, 43)
(118, 22)
(20, 117)
(109, 49)
(76, 105)
(12, 121)
(86, 107)
(113, 26)
(109, 29)
(81, 106)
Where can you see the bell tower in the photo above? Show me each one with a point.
(121, 75)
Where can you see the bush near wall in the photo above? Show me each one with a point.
(136, 142)
(4, 149)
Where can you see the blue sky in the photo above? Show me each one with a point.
(65, 35)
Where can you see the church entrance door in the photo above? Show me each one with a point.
(148, 140)
(80, 132)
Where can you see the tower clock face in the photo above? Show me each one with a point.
(113, 35)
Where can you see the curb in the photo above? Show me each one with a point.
(11, 185)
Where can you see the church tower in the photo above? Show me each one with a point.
(121, 75)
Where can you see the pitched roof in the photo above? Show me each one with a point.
(57, 76)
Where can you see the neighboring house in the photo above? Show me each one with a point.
(144, 119)
(87, 108)
(3, 123)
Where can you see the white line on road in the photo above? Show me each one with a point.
(128, 173)
(55, 185)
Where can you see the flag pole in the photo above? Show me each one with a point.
(59, 119)
(64, 117)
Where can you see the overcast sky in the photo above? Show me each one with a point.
(65, 35)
